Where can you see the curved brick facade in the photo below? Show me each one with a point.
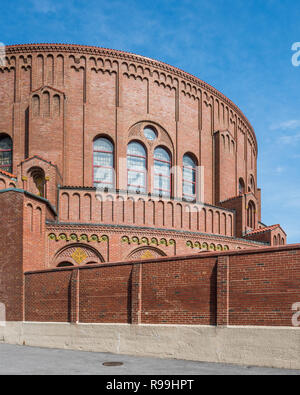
(55, 100)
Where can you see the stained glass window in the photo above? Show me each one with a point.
(6, 153)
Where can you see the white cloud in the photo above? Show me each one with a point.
(291, 125)
(289, 139)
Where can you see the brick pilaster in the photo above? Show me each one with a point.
(74, 297)
(136, 294)
(223, 291)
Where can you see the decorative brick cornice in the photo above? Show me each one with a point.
(122, 55)
(146, 231)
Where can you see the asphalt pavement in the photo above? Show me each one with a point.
(24, 360)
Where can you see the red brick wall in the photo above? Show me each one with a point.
(11, 249)
(256, 287)
(48, 297)
(263, 287)
(179, 292)
(104, 294)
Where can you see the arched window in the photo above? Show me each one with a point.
(251, 215)
(189, 178)
(103, 163)
(39, 181)
(136, 167)
(162, 172)
(251, 187)
(241, 186)
(6, 146)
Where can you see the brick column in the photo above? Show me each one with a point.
(223, 291)
(74, 296)
(136, 294)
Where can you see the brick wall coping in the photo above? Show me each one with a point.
(92, 50)
(32, 195)
(289, 247)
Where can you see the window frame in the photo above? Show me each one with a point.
(7, 168)
(133, 187)
(185, 196)
(112, 155)
(156, 191)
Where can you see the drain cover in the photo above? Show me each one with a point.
(112, 363)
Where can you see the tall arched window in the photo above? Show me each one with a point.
(189, 178)
(103, 163)
(6, 146)
(136, 167)
(251, 215)
(162, 172)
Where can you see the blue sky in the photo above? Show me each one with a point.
(243, 48)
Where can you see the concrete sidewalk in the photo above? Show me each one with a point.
(33, 360)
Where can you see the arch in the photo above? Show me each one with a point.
(103, 163)
(136, 167)
(46, 103)
(29, 210)
(251, 214)
(77, 254)
(36, 105)
(241, 186)
(162, 172)
(189, 177)
(37, 175)
(6, 153)
(251, 187)
(39, 219)
(145, 253)
(56, 106)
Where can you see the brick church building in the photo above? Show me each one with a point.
(106, 156)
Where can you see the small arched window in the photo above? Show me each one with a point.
(251, 184)
(241, 186)
(64, 264)
(6, 146)
(136, 167)
(39, 181)
(189, 178)
(103, 163)
(162, 172)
